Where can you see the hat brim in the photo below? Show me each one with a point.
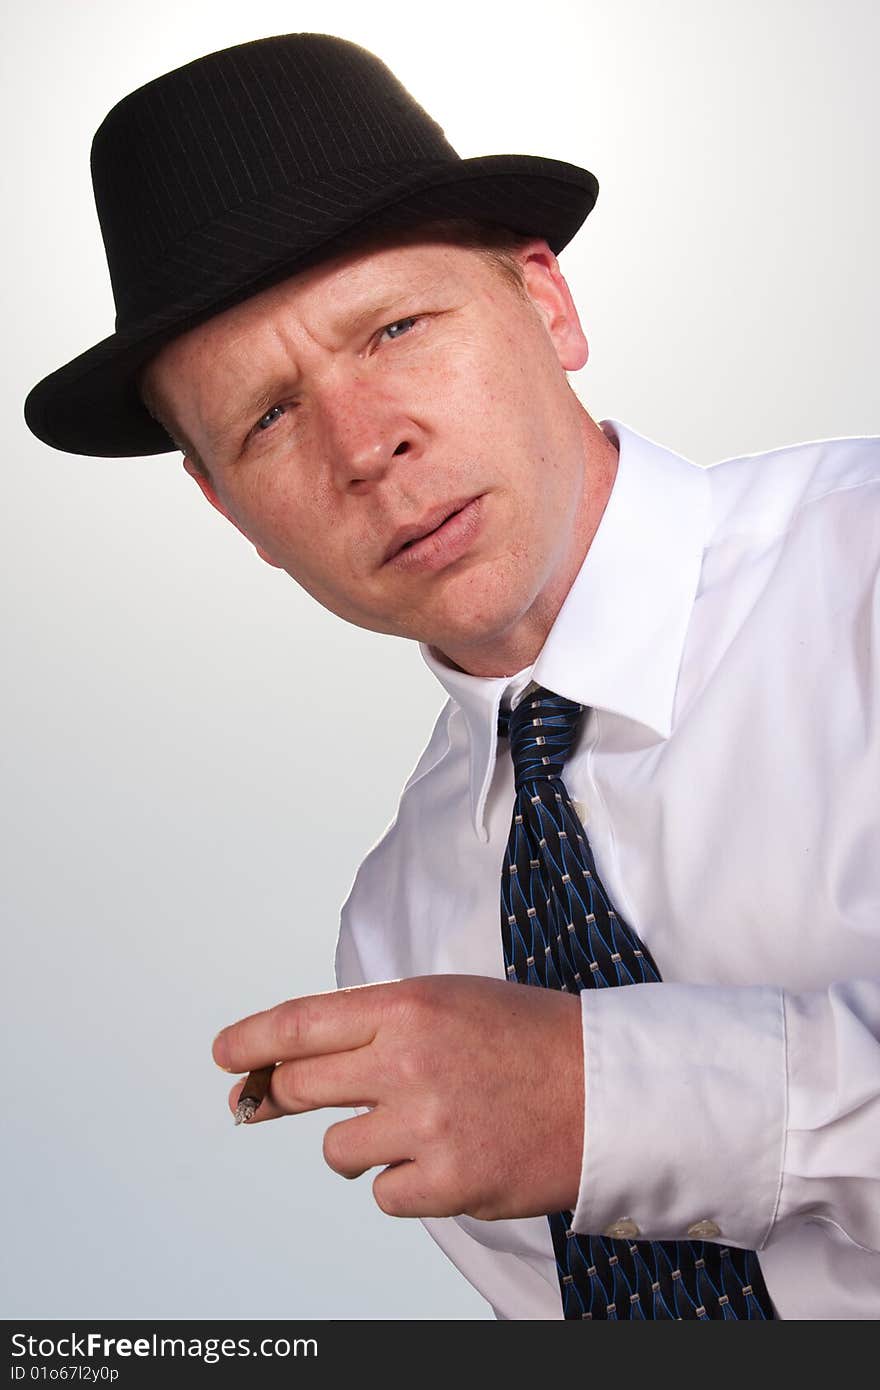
(91, 406)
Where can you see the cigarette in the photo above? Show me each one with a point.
(252, 1092)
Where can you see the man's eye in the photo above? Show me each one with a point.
(268, 419)
(403, 325)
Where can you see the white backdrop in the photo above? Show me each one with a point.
(166, 694)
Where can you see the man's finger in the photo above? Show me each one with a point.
(312, 1083)
(333, 1022)
(366, 1141)
(405, 1189)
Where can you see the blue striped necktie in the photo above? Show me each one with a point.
(560, 931)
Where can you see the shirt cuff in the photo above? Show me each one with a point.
(685, 1112)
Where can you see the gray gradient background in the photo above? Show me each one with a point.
(171, 703)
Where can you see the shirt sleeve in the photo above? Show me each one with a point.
(749, 1108)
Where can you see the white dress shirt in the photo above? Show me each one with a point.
(724, 633)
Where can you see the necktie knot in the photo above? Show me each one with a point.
(542, 731)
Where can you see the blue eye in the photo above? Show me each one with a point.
(405, 324)
(261, 423)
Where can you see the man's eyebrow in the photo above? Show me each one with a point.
(402, 294)
(248, 408)
(350, 323)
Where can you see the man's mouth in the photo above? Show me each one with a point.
(405, 537)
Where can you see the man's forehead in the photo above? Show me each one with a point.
(339, 285)
(342, 289)
(342, 279)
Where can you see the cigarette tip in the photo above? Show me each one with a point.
(245, 1110)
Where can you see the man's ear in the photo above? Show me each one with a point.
(548, 290)
(208, 491)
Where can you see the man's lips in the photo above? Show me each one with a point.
(417, 530)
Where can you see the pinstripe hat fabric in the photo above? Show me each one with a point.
(231, 173)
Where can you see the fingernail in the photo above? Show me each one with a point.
(220, 1051)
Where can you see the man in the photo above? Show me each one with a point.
(370, 383)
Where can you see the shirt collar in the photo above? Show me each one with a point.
(618, 639)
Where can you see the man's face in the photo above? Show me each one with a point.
(378, 391)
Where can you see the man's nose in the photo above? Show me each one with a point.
(366, 428)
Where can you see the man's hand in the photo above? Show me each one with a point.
(476, 1087)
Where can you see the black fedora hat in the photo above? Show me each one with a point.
(229, 174)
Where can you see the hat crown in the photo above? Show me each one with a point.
(239, 126)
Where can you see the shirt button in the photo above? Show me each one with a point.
(580, 809)
(703, 1230)
(624, 1228)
